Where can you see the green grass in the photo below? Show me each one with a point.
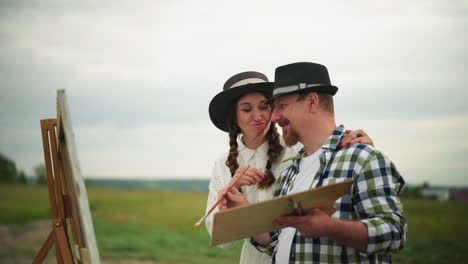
(437, 232)
(20, 204)
(157, 225)
(151, 225)
(154, 225)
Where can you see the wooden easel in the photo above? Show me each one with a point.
(59, 201)
(72, 226)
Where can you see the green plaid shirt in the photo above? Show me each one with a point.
(373, 200)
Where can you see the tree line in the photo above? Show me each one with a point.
(9, 173)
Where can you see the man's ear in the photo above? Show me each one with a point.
(312, 100)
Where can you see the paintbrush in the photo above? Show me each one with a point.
(232, 184)
(197, 224)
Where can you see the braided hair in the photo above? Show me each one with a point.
(231, 161)
(274, 148)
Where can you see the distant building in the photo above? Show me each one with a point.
(441, 194)
(445, 194)
(459, 195)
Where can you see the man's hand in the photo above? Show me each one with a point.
(232, 199)
(314, 223)
(318, 223)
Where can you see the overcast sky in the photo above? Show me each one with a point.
(139, 76)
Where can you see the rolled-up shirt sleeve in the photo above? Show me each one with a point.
(268, 249)
(377, 204)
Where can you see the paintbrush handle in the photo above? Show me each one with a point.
(228, 190)
(220, 199)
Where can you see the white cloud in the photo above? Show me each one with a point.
(155, 150)
(147, 70)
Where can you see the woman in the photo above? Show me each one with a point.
(240, 110)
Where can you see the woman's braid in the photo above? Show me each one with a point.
(274, 150)
(231, 161)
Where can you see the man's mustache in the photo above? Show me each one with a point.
(283, 123)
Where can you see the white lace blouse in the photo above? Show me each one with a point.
(221, 176)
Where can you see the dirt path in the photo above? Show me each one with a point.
(18, 241)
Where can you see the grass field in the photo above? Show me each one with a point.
(158, 225)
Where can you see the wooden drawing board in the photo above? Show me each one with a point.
(85, 240)
(246, 221)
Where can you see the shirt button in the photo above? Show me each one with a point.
(292, 255)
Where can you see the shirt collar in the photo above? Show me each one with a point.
(334, 139)
(332, 143)
(248, 152)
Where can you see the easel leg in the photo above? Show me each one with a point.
(56, 197)
(59, 256)
(62, 243)
(45, 248)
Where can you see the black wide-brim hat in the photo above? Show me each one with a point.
(301, 77)
(234, 88)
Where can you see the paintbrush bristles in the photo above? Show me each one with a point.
(197, 224)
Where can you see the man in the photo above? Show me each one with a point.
(369, 222)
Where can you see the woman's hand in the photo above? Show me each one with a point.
(233, 198)
(355, 137)
(249, 176)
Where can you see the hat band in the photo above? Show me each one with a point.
(247, 81)
(292, 88)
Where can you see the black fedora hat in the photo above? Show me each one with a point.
(235, 87)
(301, 77)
